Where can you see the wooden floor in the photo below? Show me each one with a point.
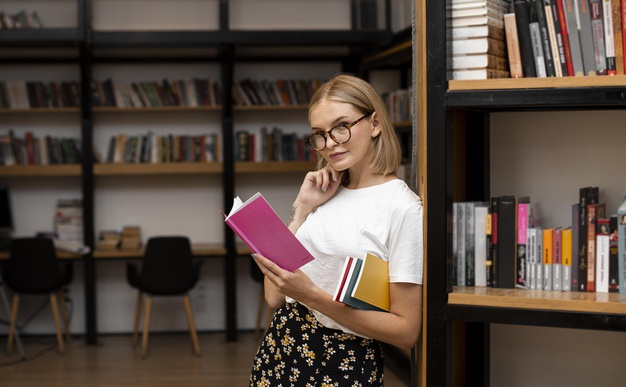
(113, 362)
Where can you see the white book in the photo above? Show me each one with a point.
(531, 246)
(481, 211)
(538, 251)
(540, 62)
(470, 260)
(455, 236)
(602, 259)
(477, 21)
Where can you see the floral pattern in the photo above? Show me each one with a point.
(297, 351)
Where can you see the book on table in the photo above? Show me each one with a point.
(262, 230)
(364, 283)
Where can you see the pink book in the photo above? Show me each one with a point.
(262, 230)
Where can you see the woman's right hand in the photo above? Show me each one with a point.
(318, 186)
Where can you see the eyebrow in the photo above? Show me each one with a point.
(334, 123)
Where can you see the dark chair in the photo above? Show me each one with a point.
(262, 307)
(33, 268)
(167, 270)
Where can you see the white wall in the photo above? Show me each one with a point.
(549, 156)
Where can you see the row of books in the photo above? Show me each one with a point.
(271, 145)
(154, 148)
(502, 244)
(20, 20)
(187, 92)
(36, 94)
(32, 150)
(567, 38)
(279, 92)
(536, 38)
(399, 104)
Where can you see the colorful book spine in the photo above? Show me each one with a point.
(621, 248)
(557, 255)
(602, 256)
(594, 212)
(613, 255)
(523, 280)
(571, 10)
(566, 251)
(575, 257)
(609, 39)
(547, 258)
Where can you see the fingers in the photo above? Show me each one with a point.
(324, 177)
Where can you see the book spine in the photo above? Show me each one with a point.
(582, 238)
(493, 264)
(547, 247)
(616, 11)
(480, 244)
(488, 248)
(537, 42)
(613, 255)
(460, 267)
(602, 256)
(571, 15)
(555, 42)
(609, 39)
(513, 49)
(566, 250)
(575, 257)
(557, 263)
(522, 277)
(452, 269)
(591, 248)
(621, 249)
(507, 242)
(531, 246)
(597, 32)
(585, 32)
(470, 272)
(545, 38)
(522, 19)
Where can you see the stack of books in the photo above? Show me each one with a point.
(130, 238)
(68, 220)
(478, 44)
(109, 240)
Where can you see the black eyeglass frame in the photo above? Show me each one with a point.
(329, 133)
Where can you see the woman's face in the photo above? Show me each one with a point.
(355, 152)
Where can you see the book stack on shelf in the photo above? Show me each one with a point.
(502, 244)
(274, 145)
(562, 38)
(109, 240)
(32, 150)
(279, 92)
(154, 148)
(478, 45)
(68, 220)
(167, 93)
(130, 238)
(21, 20)
(16, 94)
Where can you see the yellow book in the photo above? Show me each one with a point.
(372, 285)
(547, 259)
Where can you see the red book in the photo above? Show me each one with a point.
(342, 283)
(565, 37)
(262, 230)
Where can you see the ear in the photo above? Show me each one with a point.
(375, 124)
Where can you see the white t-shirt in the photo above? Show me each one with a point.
(385, 220)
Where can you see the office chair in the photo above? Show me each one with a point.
(257, 276)
(167, 270)
(33, 268)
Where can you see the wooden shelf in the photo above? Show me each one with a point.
(168, 109)
(607, 303)
(39, 110)
(269, 108)
(64, 255)
(537, 83)
(274, 166)
(157, 169)
(40, 170)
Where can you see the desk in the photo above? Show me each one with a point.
(64, 255)
(197, 249)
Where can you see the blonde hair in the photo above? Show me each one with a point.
(360, 94)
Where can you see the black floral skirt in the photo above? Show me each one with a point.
(298, 351)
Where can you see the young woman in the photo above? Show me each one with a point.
(353, 204)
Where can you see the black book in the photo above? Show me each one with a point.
(507, 242)
(522, 19)
(545, 38)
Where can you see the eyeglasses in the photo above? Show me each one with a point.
(340, 134)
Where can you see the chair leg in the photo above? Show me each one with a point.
(192, 326)
(146, 327)
(57, 323)
(65, 314)
(137, 318)
(14, 307)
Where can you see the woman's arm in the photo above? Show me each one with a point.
(317, 188)
(400, 327)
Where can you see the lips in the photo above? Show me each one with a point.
(336, 155)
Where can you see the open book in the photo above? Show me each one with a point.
(262, 230)
(364, 283)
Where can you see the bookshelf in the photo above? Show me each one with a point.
(476, 114)
(91, 37)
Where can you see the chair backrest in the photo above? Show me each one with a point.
(33, 266)
(167, 267)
